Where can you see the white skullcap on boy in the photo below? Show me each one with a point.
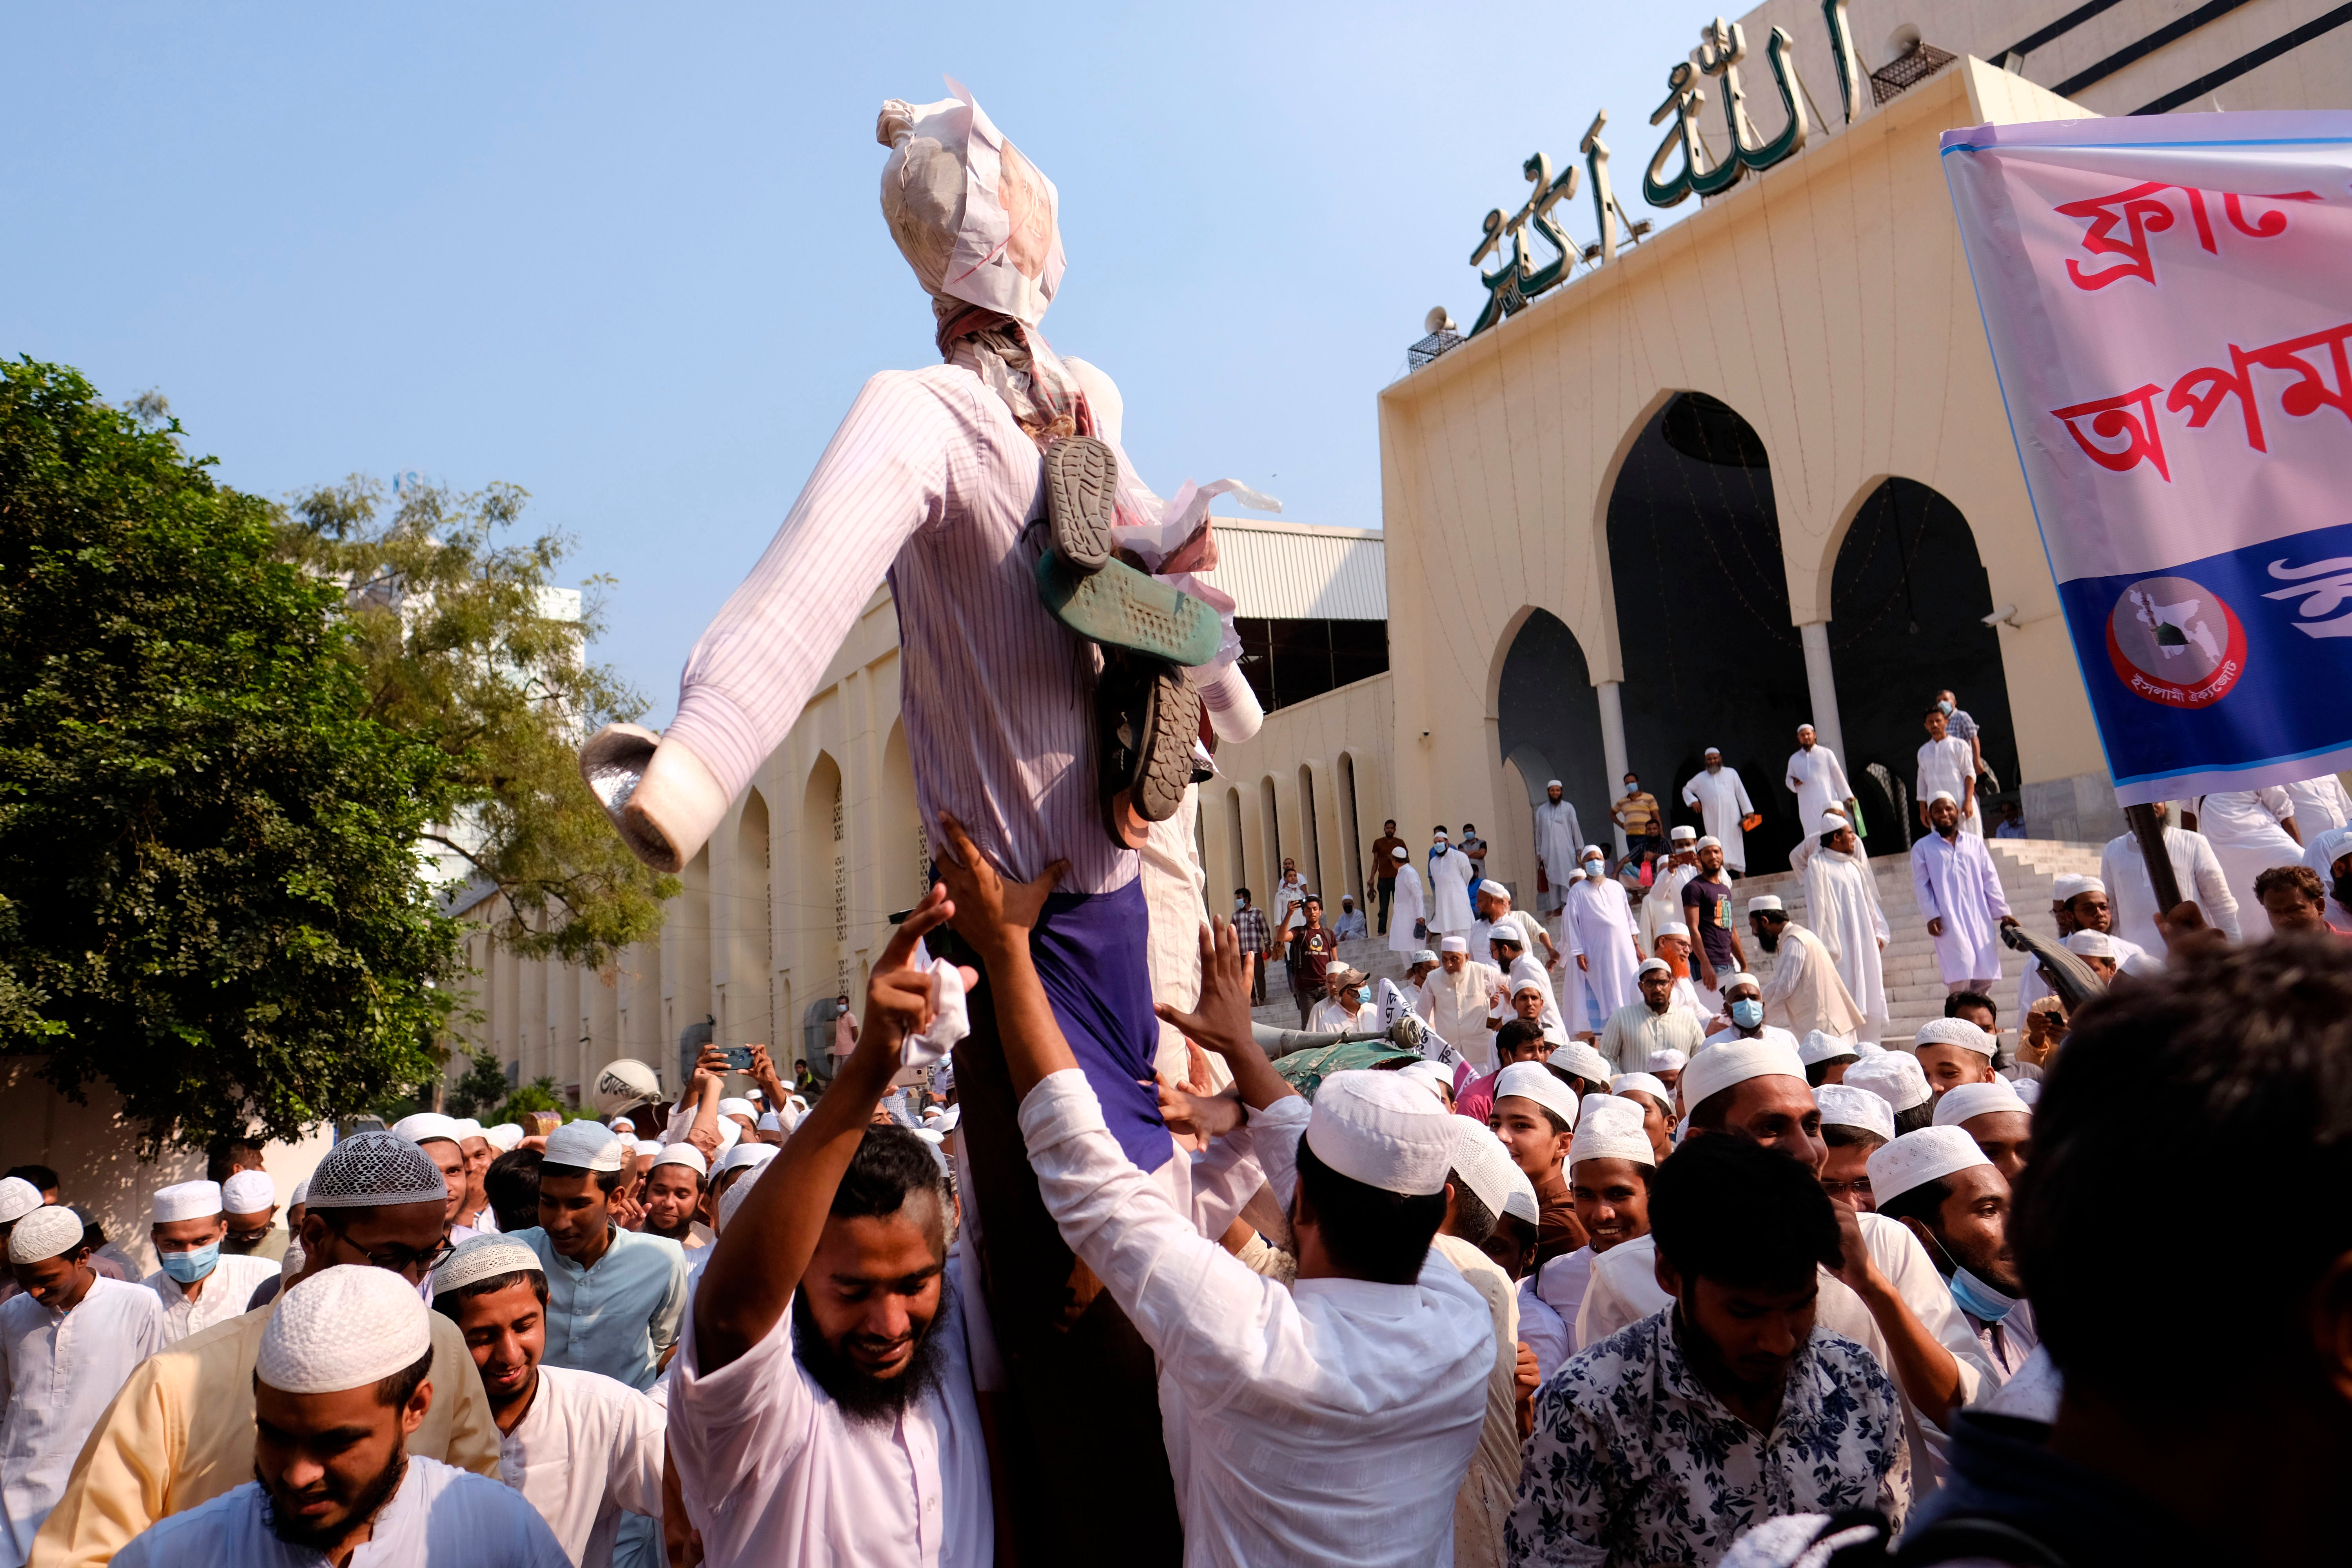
(1968, 1100)
(1581, 1059)
(1955, 1032)
(197, 1200)
(2092, 945)
(44, 1234)
(506, 1136)
(248, 1192)
(18, 1197)
(1895, 1076)
(1381, 1130)
(1643, 1081)
(1483, 1161)
(1533, 1080)
(1668, 1060)
(1734, 1062)
(1610, 1129)
(585, 1146)
(1926, 1156)
(344, 1327)
(426, 1125)
(1818, 1046)
(1844, 1106)
(481, 1258)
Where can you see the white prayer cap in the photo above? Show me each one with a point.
(248, 1192)
(2066, 890)
(344, 1327)
(755, 1096)
(684, 1155)
(1593, 852)
(301, 1196)
(1710, 841)
(734, 1198)
(1682, 832)
(1832, 820)
(731, 1106)
(1719, 1067)
(1659, 965)
(2029, 1091)
(1819, 1047)
(375, 1169)
(1610, 1129)
(1400, 853)
(954, 1113)
(1483, 1161)
(44, 1234)
(1764, 901)
(1715, 751)
(427, 1125)
(1917, 1157)
(1533, 1080)
(1673, 928)
(506, 1136)
(18, 1197)
(201, 1200)
(1643, 1081)
(1953, 1032)
(1520, 1200)
(1528, 983)
(1581, 1059)
(1968, 1100)
(730, 1132)
(1383, 1131)
(771, 1122)
(1422, 955)
(481, 1258)
(1454, 944)
(1895, 1076)
(742, 1155)
(1844, 1106)
(2327, 849)
(470, 1128)
(1668, 1060)
(1439, 1080)
(1939, 795)
(622, 1124)
(1739, 977)
(585, 1146)
(2092, 945)
(1497, 888)
(1552, 784)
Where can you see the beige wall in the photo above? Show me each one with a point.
(1341, 736)
(1828, 302)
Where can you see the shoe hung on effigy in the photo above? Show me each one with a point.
(1147, 715)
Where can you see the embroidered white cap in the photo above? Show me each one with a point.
(1440, 1081)
(1643, 1081)
(1764, 901)
(1381, 1130)
(18, 1197)
(426, 1125)
(1682, 834)
(1709, 842)
(1610, 1129)
(743, 1155)
(585, 1146)
(1533, 1080)
(1916, 1158)
(1454, 944)
(731, 1106)
(344, 1327)
(1520, 1202)
(1818, 1047)
(248, 1192)
(44, 1234)
(1955, 1032)
(1481, 1160)
(1895, 1076)
(375, 1168)
(1673, 928)
(191, 1200)
(1651, 965)
(1738, 978)
(1719, 1067)
(1668, 1060)
(1843, 1106)
(506, 1136)
(1400, 853)
(1968, 1100)
(1581, 1059)
(2066, 890)
(684, 1155)
(481, 1258)
(2092, 945)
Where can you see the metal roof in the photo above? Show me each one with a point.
(1288, 571)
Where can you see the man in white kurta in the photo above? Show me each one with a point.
(1948, 764)
(187, 1229)
(2318, 806)
(1597, 931)
(66, 1343)
(1559, 836)
(1842, 904)
(1816, 777)
(2195, 868)
(1959, 897)
(1664, 905)
(2244, 827)
(1451, 873)
(1411, 903)
(1461, 994)
(1722, 800)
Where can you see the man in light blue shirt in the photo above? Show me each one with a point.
(615, 1297)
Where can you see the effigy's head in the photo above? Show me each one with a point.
(976, 219)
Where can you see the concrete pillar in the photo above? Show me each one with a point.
(1822, 685)
(1612, 746)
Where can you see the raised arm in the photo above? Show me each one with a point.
(759, 1257)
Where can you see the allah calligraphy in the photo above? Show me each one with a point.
(1723, 47)
(2147, 209)
(2320, 362)
(1520, 279)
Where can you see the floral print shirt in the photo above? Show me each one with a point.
(1634, 1462)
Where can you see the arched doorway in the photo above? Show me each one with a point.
(750, 979)
(1907, 602)
(1547, 722)
(1711, 657)
(905, 848)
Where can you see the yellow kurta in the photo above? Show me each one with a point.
(1492, 1482)
(181, 1433)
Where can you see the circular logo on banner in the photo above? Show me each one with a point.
(2173, 641)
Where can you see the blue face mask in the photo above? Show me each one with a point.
(191, 1266)
(1748, 1012)
(1362, 995)
(1978, 1300)
(1945, 709)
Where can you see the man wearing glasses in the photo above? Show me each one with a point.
(180, 1431)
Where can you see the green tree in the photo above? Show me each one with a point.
(483, 1088)
(208, 877)
(467, 643)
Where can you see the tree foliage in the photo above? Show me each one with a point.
(209, 889)
(466, 644)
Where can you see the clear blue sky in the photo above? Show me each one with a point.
(631, 258)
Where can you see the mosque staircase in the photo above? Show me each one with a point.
(1915, 988)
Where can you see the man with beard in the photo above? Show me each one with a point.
(1805, 992)
(1641, 1029)
(1953, 879)
(822, 1397)
(1722, 801)
(581, 1449)
(2294, 899)
(1996, 1119)
(2195, 872)
(1842, 900)
(1596, 928)
(1557, 833)
(2329, 855)
(1940, 1184)
(1609, 1162)
(1664, 1442)
(1817, 779)
(182, 1430)
(341, 1381)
